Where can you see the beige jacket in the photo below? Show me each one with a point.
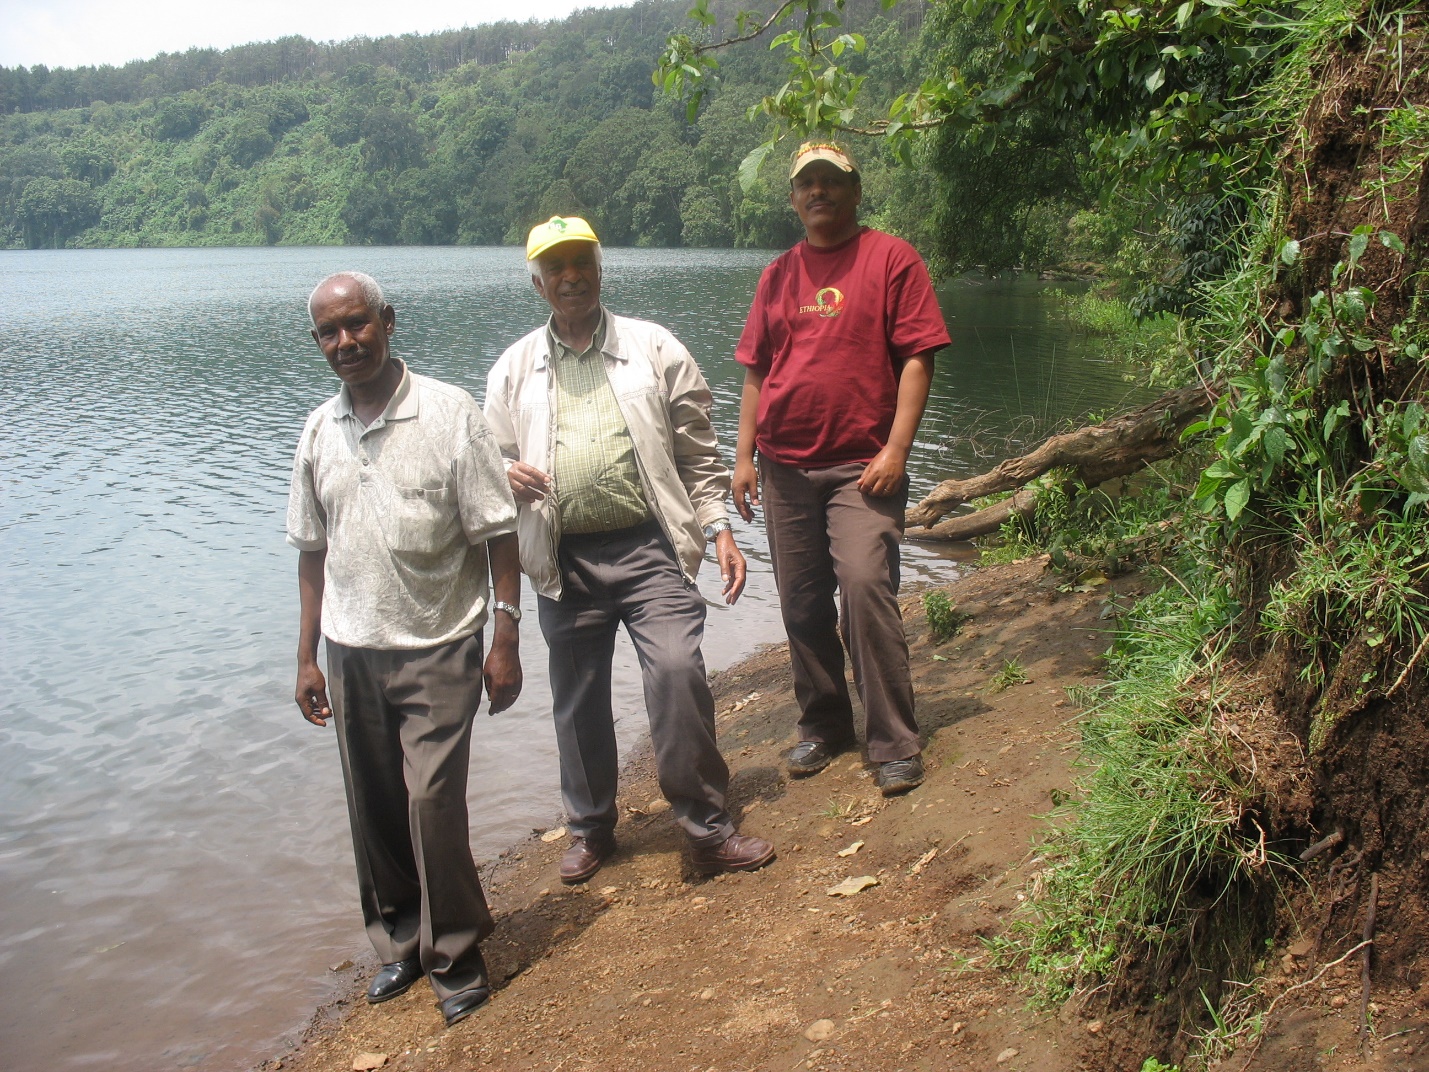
(666, 404)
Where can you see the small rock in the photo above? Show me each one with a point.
(609, 891)
(656, 806)
(851, 849)
(554, 834)
(1287, 964)
(706, 994)
(1339, 1001)
(1094, 1027)
(341, 965)
(850, 886)
(820, 1031)
(1007, 1055)
(957, 1026)
(1301, 948)
(368, 1062)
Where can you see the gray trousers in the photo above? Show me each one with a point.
(404, 733)
(631, 577)
(825, 534)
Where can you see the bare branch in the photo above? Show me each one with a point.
(760, 31)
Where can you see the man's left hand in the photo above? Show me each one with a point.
(732, 569)
(884, 475)
(502, 672)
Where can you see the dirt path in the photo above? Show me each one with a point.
(652, 968)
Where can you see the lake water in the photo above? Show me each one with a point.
(174, 856)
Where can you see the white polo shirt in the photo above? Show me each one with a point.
(403, 507)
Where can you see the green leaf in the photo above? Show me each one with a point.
(1275, 441)
(1391, 240)
(1358, 244)
(1237, 496)
(749, 166)
(1289, 251)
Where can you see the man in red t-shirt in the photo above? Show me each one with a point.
(838, 356)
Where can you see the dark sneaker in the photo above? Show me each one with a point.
(900, 775)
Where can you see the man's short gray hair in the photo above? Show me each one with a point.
(371, 291)
(534, 266)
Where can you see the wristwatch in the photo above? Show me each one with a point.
(509, 608)
(715, 528)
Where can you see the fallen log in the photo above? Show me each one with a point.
(981, 522)
(1116, 447)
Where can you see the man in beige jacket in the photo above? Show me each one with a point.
(604, 424)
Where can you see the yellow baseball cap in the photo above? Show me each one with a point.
(556, 230)
(811, 151)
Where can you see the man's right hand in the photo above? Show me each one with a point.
(311, 694)
(528, 484)
(745, 489)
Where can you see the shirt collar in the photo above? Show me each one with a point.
(401, 406)
(605, 339)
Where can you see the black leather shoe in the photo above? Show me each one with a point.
(584, 858)
(810, 757)
(393, 979)
(900, 775)
(459, 1006)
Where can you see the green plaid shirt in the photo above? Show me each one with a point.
(598, 487)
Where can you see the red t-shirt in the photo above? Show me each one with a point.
(829, 330)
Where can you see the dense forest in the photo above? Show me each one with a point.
(466, 136)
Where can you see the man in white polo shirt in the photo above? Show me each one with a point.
(399, 504)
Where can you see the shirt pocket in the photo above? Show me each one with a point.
(415, 521)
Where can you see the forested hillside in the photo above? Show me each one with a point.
(461, 137)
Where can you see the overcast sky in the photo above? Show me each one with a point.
(76, 33)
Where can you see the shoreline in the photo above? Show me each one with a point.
(649, 951)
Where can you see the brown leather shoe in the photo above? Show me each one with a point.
(584, 858)
(738, 852)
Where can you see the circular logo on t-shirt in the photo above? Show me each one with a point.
(830, 302)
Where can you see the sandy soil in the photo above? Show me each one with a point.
(652, 968)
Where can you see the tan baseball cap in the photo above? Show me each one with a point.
(815, 150)
(556, 230)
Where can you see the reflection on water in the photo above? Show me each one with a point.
(173, 844)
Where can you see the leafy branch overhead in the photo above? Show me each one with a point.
(1160, 83)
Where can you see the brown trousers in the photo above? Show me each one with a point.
(826, 535)
(404, 734)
